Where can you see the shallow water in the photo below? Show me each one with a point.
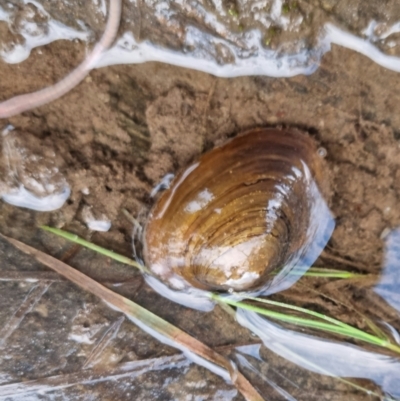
(113, 138)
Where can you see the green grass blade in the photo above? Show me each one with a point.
(312, 272)
(379, 333)
(342, 329)
(373, 327)
(327, 273)
(303, 310)
(103, 251)
(324, 273)
(333, 325)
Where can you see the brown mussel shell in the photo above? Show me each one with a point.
(238, 214)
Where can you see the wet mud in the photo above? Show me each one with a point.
(114, 137)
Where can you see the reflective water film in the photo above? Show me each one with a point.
(326, 357)
(389, 283)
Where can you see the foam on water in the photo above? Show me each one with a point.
(389, 283)
(98, 223)
(21, 197)
(28, 179)
(34, 34)
(339, 37)
(267, 62)
(212, 45)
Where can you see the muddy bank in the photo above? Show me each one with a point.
(124, 128)
(117, 134)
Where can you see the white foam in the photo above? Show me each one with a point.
(267, 62)
(94, 224)
(21, 197)
(395, 28)
(244, 53)
(371, 31)
(35, 36)
(339, 37)
(29, 180)
(99, 225)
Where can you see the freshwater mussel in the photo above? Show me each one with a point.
(243, 217)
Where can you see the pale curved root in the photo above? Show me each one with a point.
(21, 103)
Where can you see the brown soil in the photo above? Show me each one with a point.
(125, 127)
